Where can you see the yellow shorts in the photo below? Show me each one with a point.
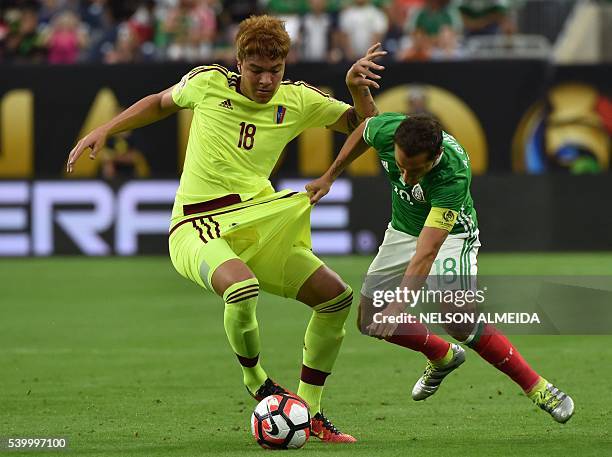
(271, 234)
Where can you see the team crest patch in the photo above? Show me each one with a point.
(280, 114)
(417, 193)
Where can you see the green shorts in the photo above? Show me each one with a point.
(271, 234)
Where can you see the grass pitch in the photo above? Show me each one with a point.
(125, 358)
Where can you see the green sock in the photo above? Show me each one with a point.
(242, 330)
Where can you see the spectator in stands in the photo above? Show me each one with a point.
(143, 22)
(232, 13)
(433, 29)
(486, 17)
(318, 35)
(398, 11)
(49, 9)
(92, 14)
(289, 11)
(191, 27)
(419, 48)
(126, 48)
(447, 45)
(4, 31)
(96, 19)
(64, 39)
(23, 42)
(361, 24)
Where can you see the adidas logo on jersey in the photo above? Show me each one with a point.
(226, 104)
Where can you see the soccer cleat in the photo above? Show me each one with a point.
(554, 401)
(429, 383)
(268, 388)
(322, 428)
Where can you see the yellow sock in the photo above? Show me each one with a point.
(444, 360)
(541, 384)
(311, 394)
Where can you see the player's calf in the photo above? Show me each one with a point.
(322, 343)
(496, 349)
(235, 282)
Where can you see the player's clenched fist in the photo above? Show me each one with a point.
(318, 188)
(95, 140)
(361, 74)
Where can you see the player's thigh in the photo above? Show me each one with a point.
(455, 269)
(456, 264)
(284, 272)
(388, 267)
(198, 260)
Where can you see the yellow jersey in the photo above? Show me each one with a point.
(234, 142)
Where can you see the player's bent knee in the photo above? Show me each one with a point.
(242, 293)
(322, 286)
(229, 273)
(364, 314)
(337, 307)
(460, 332)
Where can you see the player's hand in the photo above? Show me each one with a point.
(95, 141)
(386, 329)
(318, 188)
(361, 73)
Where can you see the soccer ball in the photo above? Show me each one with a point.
(281, 422)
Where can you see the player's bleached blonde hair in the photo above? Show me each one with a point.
(263, 36)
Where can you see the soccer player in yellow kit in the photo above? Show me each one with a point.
(231, 233)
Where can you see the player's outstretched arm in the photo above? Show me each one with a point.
(144, 112)
(353, 147)
(428, 245)
(359, 79)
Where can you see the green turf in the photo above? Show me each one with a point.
(124, 357)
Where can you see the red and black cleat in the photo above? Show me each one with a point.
(323, 429)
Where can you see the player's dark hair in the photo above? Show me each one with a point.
(418, 134)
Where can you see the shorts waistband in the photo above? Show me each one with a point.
(277, 196)
(211, 205)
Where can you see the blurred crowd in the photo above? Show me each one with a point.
(112, 31)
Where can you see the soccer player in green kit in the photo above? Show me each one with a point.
(230, 232)
(433, 227)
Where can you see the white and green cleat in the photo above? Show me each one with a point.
(429, 383)
(554, 401)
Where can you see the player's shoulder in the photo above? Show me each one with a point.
(209, 73)
(381, 128)
(389, 117)
(302, 88)
(454, 169)
(455, 151)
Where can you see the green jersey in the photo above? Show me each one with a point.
(446, 188)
